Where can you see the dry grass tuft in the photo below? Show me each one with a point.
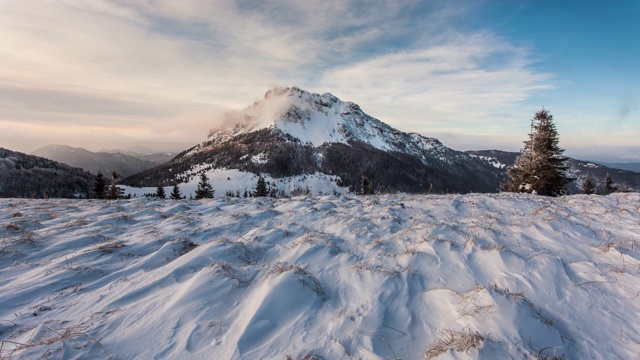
(12, 227)
(51, 337)
(187, 246)
(456, 340)
(397, 272)
(226, 270)
(306, 278)
(309, 356)
(109, 248)
(514, 296)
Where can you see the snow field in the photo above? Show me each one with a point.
(333, 277)
(223, 180)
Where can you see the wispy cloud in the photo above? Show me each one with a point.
(463, 82)
(162, 64)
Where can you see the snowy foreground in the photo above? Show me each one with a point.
(380, 277)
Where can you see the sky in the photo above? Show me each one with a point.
(160, 73)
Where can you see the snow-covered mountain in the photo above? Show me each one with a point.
(292, 132)
(321, 119)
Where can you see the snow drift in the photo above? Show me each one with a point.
(334, 277)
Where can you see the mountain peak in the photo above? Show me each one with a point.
(314, 119)
(289, 92)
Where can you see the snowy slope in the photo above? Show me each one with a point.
(224, 180)
(388, 277)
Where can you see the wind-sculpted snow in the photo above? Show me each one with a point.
(379, 277)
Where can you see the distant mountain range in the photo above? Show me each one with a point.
(23, 175)
(143, 153)
(126, 163)
(635, 167)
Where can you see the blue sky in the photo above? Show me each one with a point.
(161, 73)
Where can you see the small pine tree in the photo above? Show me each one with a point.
(609, 186)
(261, 188)
(175, 193)
(540, 168)
(588, 186)
(160, 194)
(367, 187)
(114, 191)
(204, 190)
(99, 186)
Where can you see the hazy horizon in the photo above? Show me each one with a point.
(110, 74)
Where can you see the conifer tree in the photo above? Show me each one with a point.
(587, 186)
(99, 185)
(261, 188)
(160, 194)
(204, 190)
(367, 187)
(175, 193)
(540, 168)
(114, 191)
(609, 186)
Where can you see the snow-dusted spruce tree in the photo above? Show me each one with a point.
(540, 168)
(115, 192)
(99, 186)
(261, 188)
(609, 186)
(160, 194)
(588, 187)
(175, 193)
(204, 189)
